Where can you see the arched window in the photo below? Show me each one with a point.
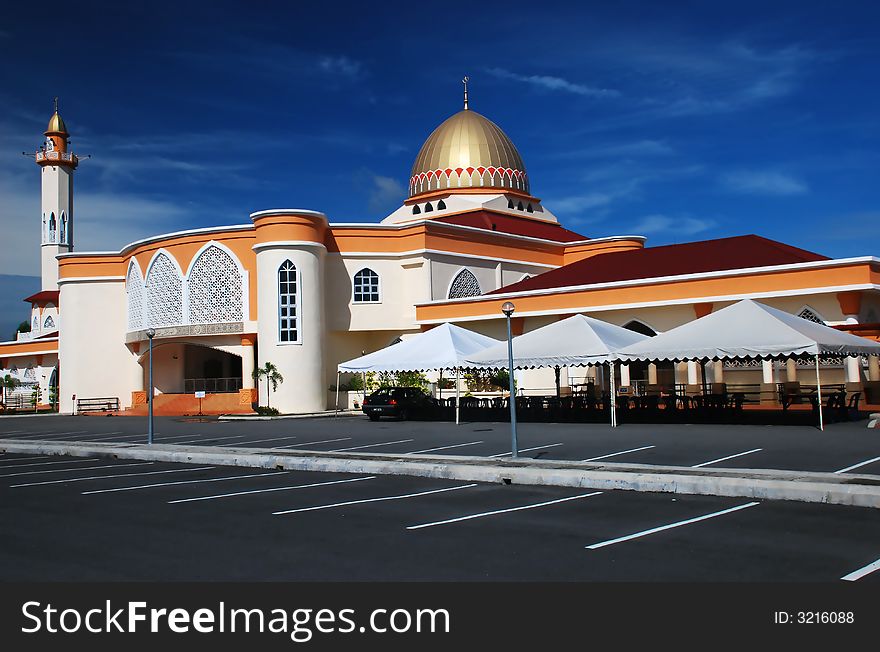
(441, 205)
(465, 284)
(638, 327)
(35, 325)
(519, 206)
(134, 288)
(52, 226)
(164, 292)
(288, 291)
(49, 323)
(428, 207)
(510, 203)
(416, 209)
(366, 286)
(809, 315)
(530, 209)
(62, 227)
(215, 288)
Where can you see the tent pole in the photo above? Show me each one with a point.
(558, 389)
(819, 392)
(613, 392)
(337, 393)
(440, 387)
(457, 396)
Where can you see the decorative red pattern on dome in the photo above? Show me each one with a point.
(506, 177)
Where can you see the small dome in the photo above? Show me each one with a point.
(468, 151)
(56, 124)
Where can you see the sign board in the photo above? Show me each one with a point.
(200, 394)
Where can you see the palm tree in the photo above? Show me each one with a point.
(272, 375)
(9, 384)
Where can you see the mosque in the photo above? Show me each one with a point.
(291, 288)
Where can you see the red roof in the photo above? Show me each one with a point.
(669, 260)
(511, 224)
(44, 296)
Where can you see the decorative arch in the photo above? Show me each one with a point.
(810, 315)
(164, 291)
(48, 323)
(464, 284)
(134, 290)
(365, 288)
(639, 326)
(215, 286)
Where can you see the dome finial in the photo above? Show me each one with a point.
(56, 104)
(465, 81)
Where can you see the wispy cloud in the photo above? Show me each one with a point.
(763, 182)
(633, 149)
(384, 194)
(341, 65)
(685, 226)
(551, 83)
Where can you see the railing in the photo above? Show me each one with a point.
(70, 157)
(212, 385)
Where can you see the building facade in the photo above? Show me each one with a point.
(291, 288)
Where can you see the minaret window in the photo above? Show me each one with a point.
(52, 225)
(215, 287)
(164, 293)
(366, 286)
(35, 325)
(465, 284)
(288, 288)
(63, 227)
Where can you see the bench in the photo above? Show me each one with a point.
(96, 405)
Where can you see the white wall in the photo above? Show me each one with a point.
(95, 361)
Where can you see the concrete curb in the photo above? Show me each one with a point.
(838, 489)
(311, 415)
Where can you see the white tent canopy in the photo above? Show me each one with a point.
(748, 329)
(577, 340)
(443, 347)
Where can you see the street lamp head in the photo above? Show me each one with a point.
(507, 308)
(151, 333)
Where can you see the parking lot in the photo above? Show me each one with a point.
(842, 447)
(100, 519)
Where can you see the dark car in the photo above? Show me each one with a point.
(400, 402)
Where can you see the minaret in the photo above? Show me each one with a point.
(57, 164)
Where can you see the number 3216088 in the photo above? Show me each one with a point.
(814, 617)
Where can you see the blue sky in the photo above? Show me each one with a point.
(678, 121)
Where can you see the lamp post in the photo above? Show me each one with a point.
(151, 333)
(507, 308)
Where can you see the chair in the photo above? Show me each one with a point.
(853, 407)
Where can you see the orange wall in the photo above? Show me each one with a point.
(858, 273)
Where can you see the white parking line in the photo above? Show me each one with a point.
(58, 434)
(27, 459)
(82, 468)
(372, 500)
(502, 511)
(106, 477)
(860, 573)
(205, 440)
(384, 443)
(264, 491)
(860, 464)
(631, 450)
(263, 441)
(443, 448)
(525, 450)
(108, 435)
(18, 466)
(168, 484)
(729, 457)
(670, 526)
(308, 443)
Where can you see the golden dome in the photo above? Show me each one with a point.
(468, 151)
(56, 124)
